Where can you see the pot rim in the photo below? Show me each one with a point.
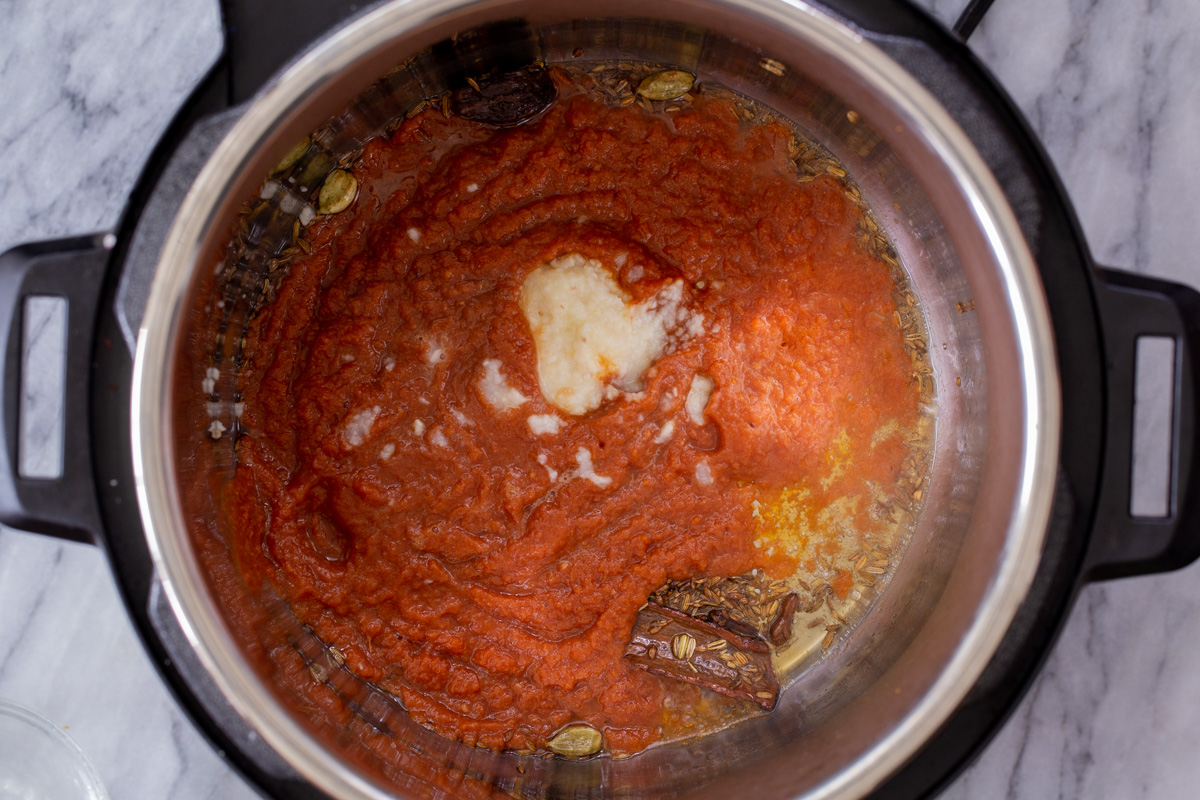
(183, 251)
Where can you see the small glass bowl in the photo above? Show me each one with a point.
(39, 761)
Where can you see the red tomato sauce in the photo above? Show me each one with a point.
(444, 548)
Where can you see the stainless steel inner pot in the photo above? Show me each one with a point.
(847, 722)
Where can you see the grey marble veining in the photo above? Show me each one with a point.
(1111, 89)
(1109, 86)
(88, 89)
(68, 652)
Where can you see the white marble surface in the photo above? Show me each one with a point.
(1110, 86)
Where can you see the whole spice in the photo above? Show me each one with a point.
(508, 100)
(338, 192)
(744, 604)
(666, 85)
(781, 628)
(699, 652)
(576, 741)
(292, 156)
(682, 646)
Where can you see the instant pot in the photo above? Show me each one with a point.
(1034, 443)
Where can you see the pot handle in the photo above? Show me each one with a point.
(1133, 306)
(64, 276)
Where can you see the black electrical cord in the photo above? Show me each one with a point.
(970, 17)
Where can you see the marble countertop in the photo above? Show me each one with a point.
(1112, 89)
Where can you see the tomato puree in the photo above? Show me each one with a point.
(469, 546)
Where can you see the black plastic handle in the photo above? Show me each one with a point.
(1133, 306)
(72, 269)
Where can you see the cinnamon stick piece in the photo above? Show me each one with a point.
(781, 629)
(675, 645)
